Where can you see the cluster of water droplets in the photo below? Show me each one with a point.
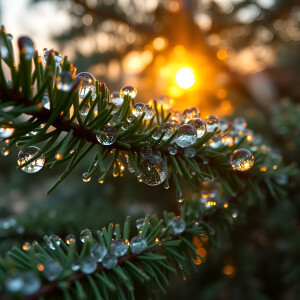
(98, 253)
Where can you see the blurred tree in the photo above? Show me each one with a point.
(223, 41)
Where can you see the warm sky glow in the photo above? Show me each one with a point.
(185, 78)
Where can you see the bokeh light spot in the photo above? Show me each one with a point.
(185, 78)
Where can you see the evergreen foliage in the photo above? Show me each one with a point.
(65, 137)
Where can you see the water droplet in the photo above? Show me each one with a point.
(227, 140)
(138, 244)
(14, 283)
(52, 269)
(87, 82)
(46, 101)
(116, 119)
(84, 110)
(26, 47)
(4, 151)
(75, 266)
(128, 90)
(149, 112)
(212, 123)
(53, 239)
(199, 125)
(26, 246)
(139, 223)
(115, 98)
(64, 82)
(223, 123)
(98, 251)
(165, 102)
(138, 109)
(190, 113)
(56, 55)
(242, 160)
(146, 151)
(235, 213)
(215, 141)
(165, 128)
(109, 136)
(70, 238)
(179, 197)
(239, 124)
(31, 283)
(85, 235)
(88, 265)
(130, 118)
(154, 170)
(190, 152)
(3, 49)
(187, 136)
(28, 154)
(178, 225)
(118, 247)
(176, 117)
(85, 177)
(6, 132)
(109, 261)
(112, 107)
(166, 185)
(173, 148)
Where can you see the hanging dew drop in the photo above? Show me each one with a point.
(27, 154)
(154, 170)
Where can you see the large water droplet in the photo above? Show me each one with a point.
(52, 269)
(118, 247)
(98, 251)
(165, 128)
(109, 136)
(187, 136)
(115, 98)
(53, 239)
(212, 123)
(56, 55)
(88, 265)
(28, 154)
(87, 82)
(6, 132)
(109, 261)
(138, 109)
(85, 235)
(199, 125)
(27, 47)
(178, 225)
(64, 82)
(242, 160)
(128, 90)
(70, 238)
(154, 170)
(138, 244)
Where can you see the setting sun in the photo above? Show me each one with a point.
(185, 78)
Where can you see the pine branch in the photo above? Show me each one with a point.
(70, 130)
(64, 115)
(166, 247)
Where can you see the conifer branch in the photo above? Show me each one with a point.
(70, 129)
